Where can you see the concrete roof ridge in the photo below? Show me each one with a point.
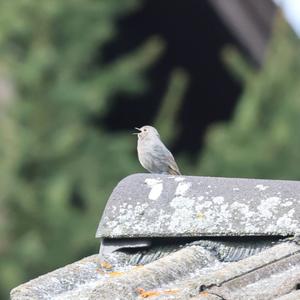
(152, 205)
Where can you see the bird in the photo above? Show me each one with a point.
(153, 155)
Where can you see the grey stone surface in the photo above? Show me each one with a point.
(175, 266)
(190, 273)
(293, 295)
(150, 205)
(74, 277)
(143, 206)
(272, 273)
(85, 280)
(279, 277)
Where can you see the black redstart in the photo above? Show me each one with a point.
(153, 154)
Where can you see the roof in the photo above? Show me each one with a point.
(150, 205)
(250, 21)
(190, 273)
(183, 237)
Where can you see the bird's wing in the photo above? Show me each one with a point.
(173, 169)
(166, 156)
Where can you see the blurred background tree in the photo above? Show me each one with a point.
(263, 139)
(57, 166)
(65, 141)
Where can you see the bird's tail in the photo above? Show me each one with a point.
(174, 172)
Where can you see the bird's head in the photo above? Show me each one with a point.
(146, 131)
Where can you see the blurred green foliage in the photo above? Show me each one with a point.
(58, 167)
(262, 140)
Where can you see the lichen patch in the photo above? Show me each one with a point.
(156, 188)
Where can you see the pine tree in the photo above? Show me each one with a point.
(57, 167)
(263, 139)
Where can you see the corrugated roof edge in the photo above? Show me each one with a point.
(278, 266)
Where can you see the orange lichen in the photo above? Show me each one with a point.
(148, 294)
(115, 274)
(138, 267)
(106, 265)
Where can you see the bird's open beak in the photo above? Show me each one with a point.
(137, 129)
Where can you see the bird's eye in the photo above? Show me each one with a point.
(145, 129)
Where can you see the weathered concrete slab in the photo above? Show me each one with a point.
(272, 273)
(76, 277)
(150, 205)
(187, 273)
(281, 277)
(85, 279)
(175, 266)
(146, 205)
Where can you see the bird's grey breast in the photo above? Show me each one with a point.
(153, 154)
